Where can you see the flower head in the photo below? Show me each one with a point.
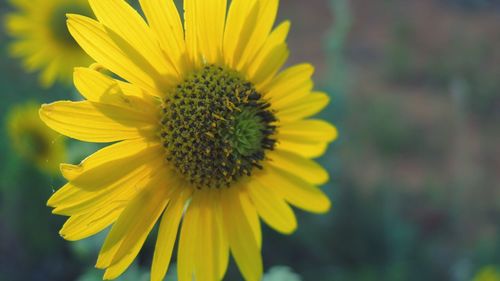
(33, 140)
(42, 40)
(209, 135)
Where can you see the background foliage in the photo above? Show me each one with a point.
(414, 176)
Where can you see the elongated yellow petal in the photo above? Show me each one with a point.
(119, 267)
(242, 242)
(134, 224)
(17, 25)
(297, 165)
(260, 74)
(308, 131)
(295, 190)
(164, 20)
(271, 208)
(191, 30)
(241, 21)
(167, 234)
(205, 257)
(266, 17)
(123, 189)
(186, 250)
(211, 16)
(97, 87)
(252, 216)
(109, 158)
(121, 18)
(275, 39)
(221, 243)
(36, 60)
(49, 74)
(22, 48)
(94, 122)
(85, 225)
(290, 85)
(305, 149)
(302, 108)
(94, 39)
(65, 193)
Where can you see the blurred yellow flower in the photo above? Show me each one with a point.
(33, 140)
(488, 273)
(41, 38)
(205, 129)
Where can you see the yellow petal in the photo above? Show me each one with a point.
(94, 122)
(302, 108)
(210, 17)
(242, 241)
(308, 150)
(295, 190)
(36, 60)
(129, 26)
(22, 48)
(85, 225)
(191, 30)
(222, 246)
(291, 84)
(206, 230)
(49, 74)
(64, 193)
(132, 227)
(271, 208)
(276, 38)
(97, 87)
(186, 250)
(112, 157)
(265, 72)
(252, 216)
(96, 42)
(123, 189)
(241, 20)
(308, 131)
(297, 165)
(164, 20)
(266, 17)
(166, 235)
(17, 25)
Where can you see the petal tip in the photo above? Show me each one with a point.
(51, 202)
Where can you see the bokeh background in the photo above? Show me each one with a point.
(415, 174)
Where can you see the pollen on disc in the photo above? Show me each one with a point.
(216, 128)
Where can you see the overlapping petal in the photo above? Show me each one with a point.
(294, 189)
(242, 241)
(130, 184)
(97, 122)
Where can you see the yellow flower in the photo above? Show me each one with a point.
(34, 141)
(488, 273)
(42, 39)
(207, 131)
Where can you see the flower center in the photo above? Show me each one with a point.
(216, 128)
(34, 144)
(57, 23)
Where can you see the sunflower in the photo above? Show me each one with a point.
(42, 40)
(208, 135)
(33, 140)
